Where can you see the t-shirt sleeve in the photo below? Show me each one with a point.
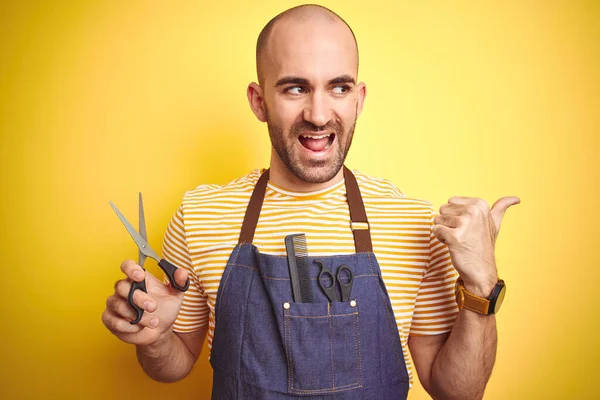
(435, 307)
(194, 310)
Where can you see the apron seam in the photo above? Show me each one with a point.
(217, 302)
(393, 323)
(243, 333)
(331, 348)
(357, 349)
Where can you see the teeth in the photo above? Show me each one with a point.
(316, 137)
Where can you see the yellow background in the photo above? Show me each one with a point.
(100, 100)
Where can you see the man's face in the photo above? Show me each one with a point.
(311, 96)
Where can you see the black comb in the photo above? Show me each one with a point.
(297, 252)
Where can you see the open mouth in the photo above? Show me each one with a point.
(317, 143)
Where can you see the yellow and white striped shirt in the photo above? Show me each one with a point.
(415, 266)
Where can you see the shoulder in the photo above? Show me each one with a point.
(380, 190)
(237, 190)
(379, 187)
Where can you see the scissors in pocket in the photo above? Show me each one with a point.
(344, 277)
(141, 240)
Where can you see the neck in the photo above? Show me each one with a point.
(282, 177)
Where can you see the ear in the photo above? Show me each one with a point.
(361, 91)
(256, 100)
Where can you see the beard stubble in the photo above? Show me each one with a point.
(317, 171)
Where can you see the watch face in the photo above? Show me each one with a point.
(499, 299)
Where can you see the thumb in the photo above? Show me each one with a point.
(499, 208)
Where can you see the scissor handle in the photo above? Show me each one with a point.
(346, 282)
(330, 291)
(170, 269)
(135, 285)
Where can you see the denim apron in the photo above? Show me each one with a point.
(266, 346)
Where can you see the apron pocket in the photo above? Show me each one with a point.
(322, 344)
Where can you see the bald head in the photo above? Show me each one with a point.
(293, 23)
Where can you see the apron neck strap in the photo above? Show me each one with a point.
(253, 210)
(358, 216)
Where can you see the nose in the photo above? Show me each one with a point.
(318, 110)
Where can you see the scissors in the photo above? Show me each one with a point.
(344, 277)
(141, 239)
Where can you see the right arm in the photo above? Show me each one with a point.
(165, 355)
(172, 358)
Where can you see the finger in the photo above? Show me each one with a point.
(451, 221)
(122, 309)
(117, 324)
(140, 298)
(133, 270)
(500, 207)
(452, 209)
(181, 276)
(137, 339)
(443, 234)
(480, 203)
(119, 306)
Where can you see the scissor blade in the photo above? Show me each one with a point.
(137, 238)
(142, 219)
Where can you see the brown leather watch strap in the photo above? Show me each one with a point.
(470, 301)
(475, 303)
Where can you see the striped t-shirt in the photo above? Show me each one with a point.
(415, 266)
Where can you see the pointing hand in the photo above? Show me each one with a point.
(470, 228)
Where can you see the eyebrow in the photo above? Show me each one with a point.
(303, 81)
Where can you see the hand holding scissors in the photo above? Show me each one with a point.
(327, 280)
(162, 291)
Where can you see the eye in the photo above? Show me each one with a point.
(341, 89)
(295, 90)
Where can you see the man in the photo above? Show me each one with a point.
(229, 240)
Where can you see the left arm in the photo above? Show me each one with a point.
(458, 365)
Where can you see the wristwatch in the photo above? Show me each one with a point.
(481, 305)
